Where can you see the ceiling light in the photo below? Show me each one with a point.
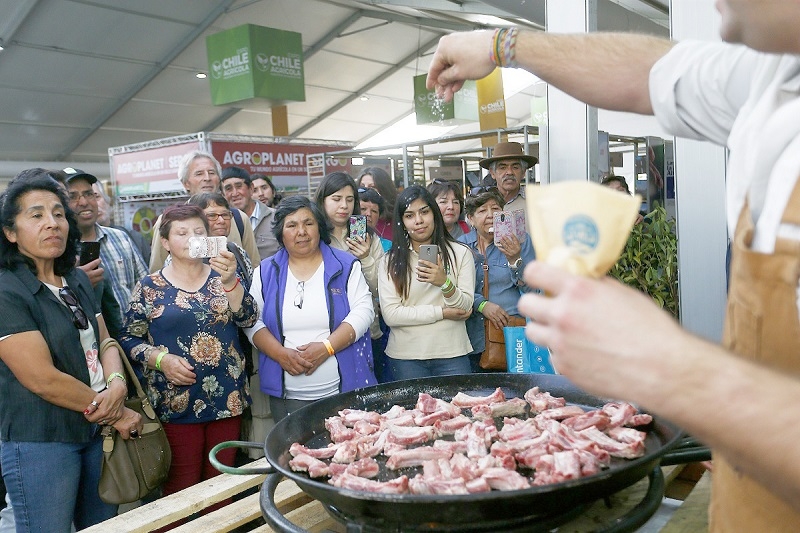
(2, 45)
(364, 98)
(201, 75)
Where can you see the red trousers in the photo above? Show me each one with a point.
(190, 444)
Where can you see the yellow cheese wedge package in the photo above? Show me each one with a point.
(579, 225)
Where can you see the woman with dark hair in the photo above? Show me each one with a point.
(424, 303)
(313, 331)
(61, 377)
(450, 201)
(181, 332)
(373, 207)
(378, 179)
(504, 262)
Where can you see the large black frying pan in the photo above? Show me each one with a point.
(307, 426)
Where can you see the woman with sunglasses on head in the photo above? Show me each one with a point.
(450, 201)
(313, 330)
(378, 179)
(425, 303)
(182, 333)
(373, 206)
(61, 378)
(505, 261)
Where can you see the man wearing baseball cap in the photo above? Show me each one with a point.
(507, 166)
(120, 260)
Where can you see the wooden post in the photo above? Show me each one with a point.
(280, 121)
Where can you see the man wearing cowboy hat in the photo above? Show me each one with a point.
(507, 166)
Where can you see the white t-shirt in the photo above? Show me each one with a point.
(745, 100)
(97, 380)
(310, 324)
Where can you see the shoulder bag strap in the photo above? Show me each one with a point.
(131, 377)
(485, 280)
(237, 216)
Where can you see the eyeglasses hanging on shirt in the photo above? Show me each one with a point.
(301, 291)
(79, 318)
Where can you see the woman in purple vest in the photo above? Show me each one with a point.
(316, 309)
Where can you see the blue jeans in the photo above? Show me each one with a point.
(52, 484)
(422, 368)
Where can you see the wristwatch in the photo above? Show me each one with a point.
(516, 264)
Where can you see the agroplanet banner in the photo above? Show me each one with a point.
(251, 61)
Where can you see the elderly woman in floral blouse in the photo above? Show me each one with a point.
(181, 327)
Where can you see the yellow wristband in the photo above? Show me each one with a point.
(113, 376)
(159, 358)
(329, 347)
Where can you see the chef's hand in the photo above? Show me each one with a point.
(454, 313)
(225, 264)
(93, 270)
(314, 353)
(511, 248)
(292, 362)
(460, 57)
(496, 314)
(130, 424)
(177, 370)
(432, 273)
(359, 247)
(593, 328)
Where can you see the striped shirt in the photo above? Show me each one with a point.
(123, 263)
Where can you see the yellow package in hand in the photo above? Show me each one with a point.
(579, 225)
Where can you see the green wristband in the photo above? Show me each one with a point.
(159, 358)
(482, 305)
(447, 285)
(113, 376)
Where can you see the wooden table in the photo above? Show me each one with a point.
(309, 514)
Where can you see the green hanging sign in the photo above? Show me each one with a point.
(252, 61)
(432, 110)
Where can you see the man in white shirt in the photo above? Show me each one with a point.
(738, 398)
(237, 187)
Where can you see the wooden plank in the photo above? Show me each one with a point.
(312, 517)
(692, 515)
(184, 503)
(225, 519)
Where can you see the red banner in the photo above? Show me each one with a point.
(275, 159)
(153, 164)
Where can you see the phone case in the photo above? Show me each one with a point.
(520, 229)
(206, 246)
(503, 225)
(429, 252)
(358, 226)
(89, 252)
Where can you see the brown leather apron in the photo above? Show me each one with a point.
(761, 324)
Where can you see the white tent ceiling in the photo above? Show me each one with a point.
(80, 76)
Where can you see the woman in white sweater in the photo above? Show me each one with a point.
(424, 303)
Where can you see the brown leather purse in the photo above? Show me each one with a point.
(494, 353)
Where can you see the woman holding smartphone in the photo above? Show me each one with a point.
(337, 198)
(182, 334)
(425, 302)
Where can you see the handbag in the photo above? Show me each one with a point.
(494, 353)
(133, 468)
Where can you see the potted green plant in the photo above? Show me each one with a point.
(649, 261)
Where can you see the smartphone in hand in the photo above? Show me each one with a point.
(206, 246)
(358, 226)
(503, 226)
(429, 252)
(90, 250)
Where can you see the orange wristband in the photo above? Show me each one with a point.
(329, 347)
